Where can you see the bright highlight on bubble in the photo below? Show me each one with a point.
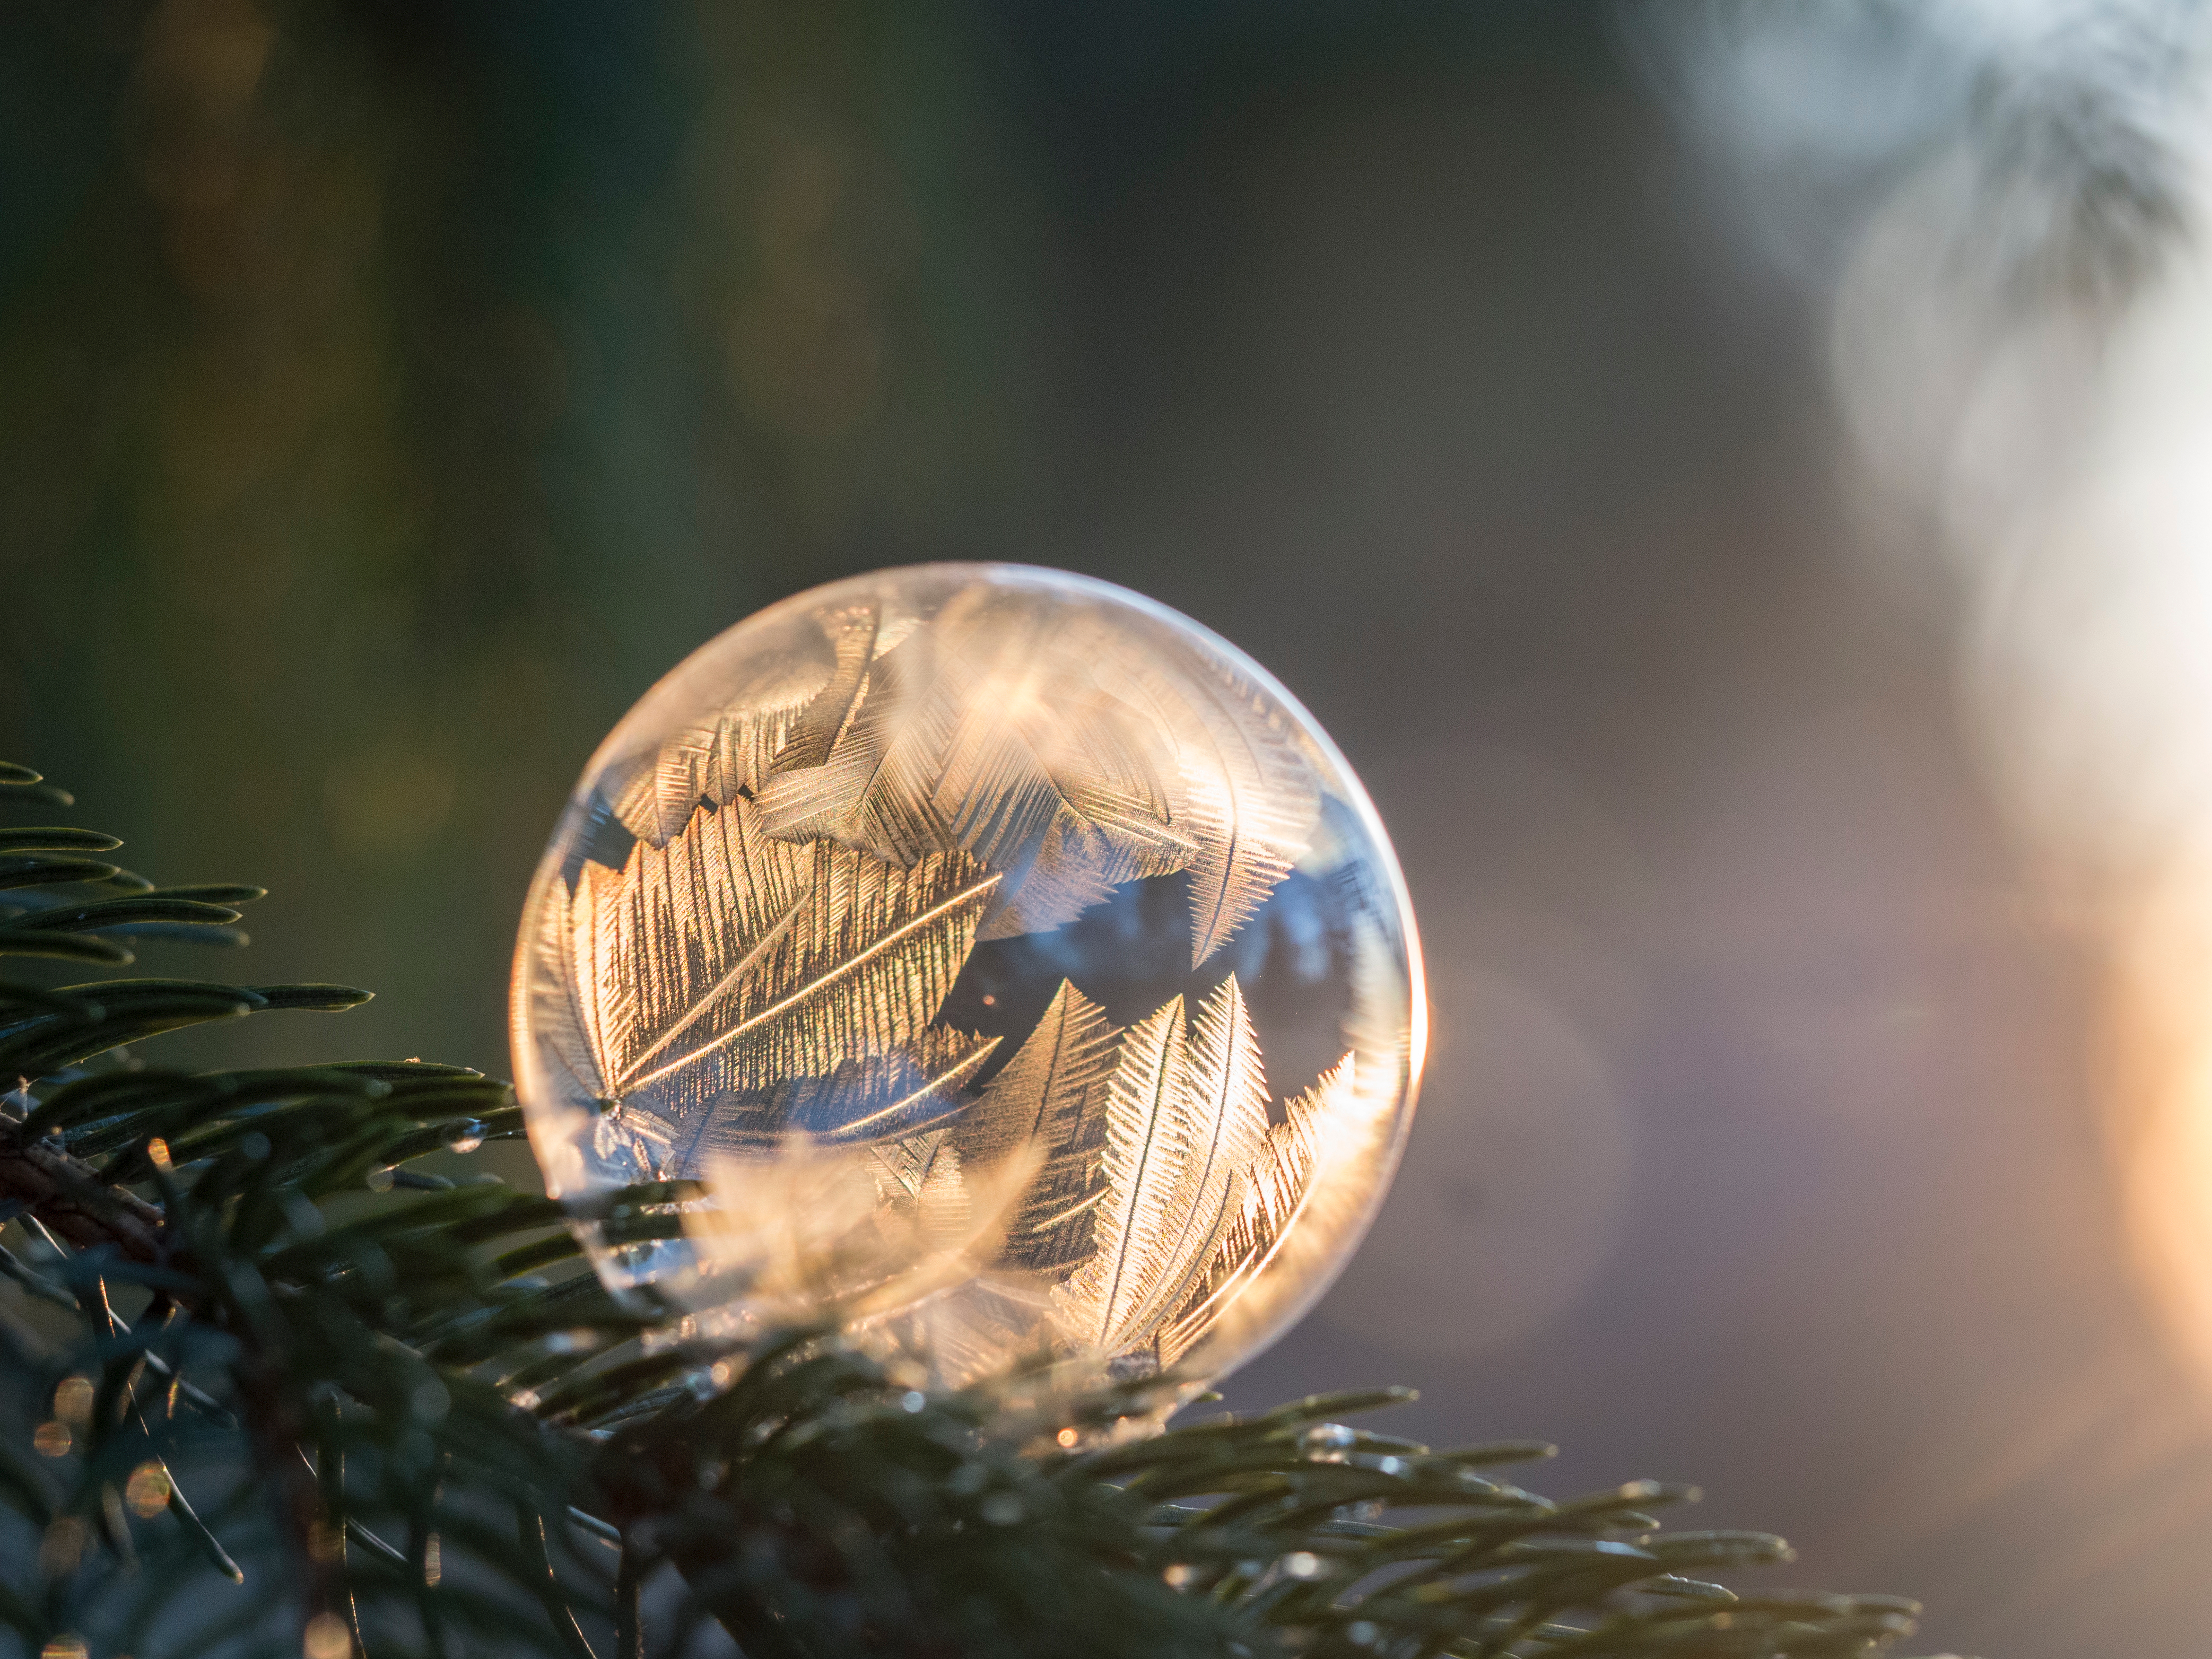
(1017, 969)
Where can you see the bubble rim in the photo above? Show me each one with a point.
(612, 747)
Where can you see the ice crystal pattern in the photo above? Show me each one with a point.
(744, 979)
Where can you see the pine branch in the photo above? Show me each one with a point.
(249, 1339)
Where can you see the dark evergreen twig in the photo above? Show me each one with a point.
(416, 1422)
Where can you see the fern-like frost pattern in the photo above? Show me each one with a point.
(724, 961)
(751, 983)
(1051, 1096)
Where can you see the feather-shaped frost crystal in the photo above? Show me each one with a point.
(1020, 970)
(1052, 1096)
(1185, 1116)
(724, 962)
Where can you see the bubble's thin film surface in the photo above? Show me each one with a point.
(1015, 965)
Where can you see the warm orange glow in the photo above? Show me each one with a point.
(73, 1400)
(2068, 460)
(327, 1638)
(2160, 1083)
(147, 1493)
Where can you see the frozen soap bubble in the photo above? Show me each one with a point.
(1014, 965)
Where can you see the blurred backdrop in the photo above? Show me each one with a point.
(1563, 402)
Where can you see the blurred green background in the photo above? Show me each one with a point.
(391, 391)
(388, 394)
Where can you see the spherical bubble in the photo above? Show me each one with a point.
(1015, 968)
